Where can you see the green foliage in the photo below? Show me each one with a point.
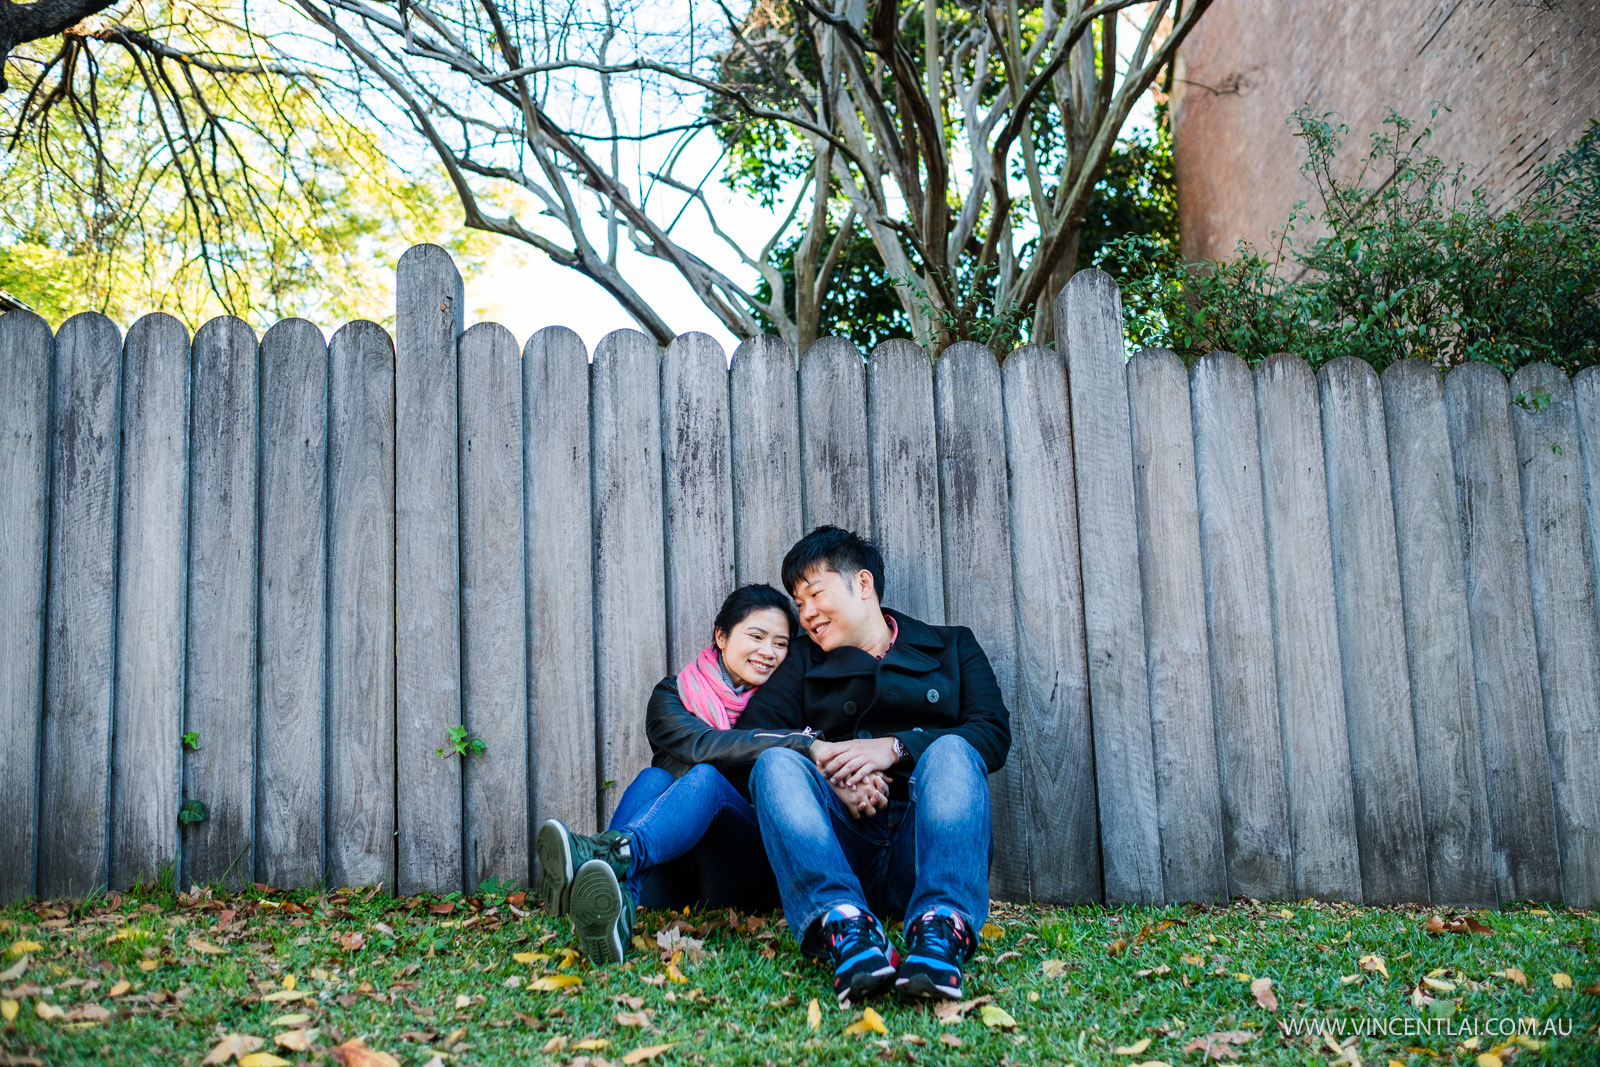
(976, 318)
(1401, 260)
(1136, 196)
(192, 813)
(461, 744)
(191, 740)
(860, 302)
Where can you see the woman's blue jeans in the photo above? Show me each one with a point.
(694, 840)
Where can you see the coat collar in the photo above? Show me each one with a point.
(909, 653)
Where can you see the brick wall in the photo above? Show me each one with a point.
(1521, 77)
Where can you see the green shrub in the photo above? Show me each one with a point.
(1405, 261)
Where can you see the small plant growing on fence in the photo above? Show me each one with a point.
(192, 812)
(461, 744)
(191, 740)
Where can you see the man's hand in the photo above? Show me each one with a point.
(847, 763)
(868, 798)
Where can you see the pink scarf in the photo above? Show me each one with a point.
(703, 691)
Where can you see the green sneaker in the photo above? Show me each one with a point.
(602, 912)
(562, 852)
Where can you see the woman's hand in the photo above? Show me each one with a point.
(820, 750)
(868, 797)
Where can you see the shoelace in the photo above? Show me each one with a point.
(855, 932)
(936, 935)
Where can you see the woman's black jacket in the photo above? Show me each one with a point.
(680, 739)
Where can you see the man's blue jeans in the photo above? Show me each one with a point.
(914, 855)
(694, 839)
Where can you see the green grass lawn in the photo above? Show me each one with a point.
(157, 979)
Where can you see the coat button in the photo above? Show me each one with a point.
(865, 735)
(933, 696)
(849, 707)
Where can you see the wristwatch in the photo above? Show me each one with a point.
(900, 753)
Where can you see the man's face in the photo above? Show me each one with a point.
(835, 609)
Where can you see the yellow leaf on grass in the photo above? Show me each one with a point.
(1374, 964)
(1261, 989)
(1396, 1063)
(232, 1047)
(293, 1040)
(19, 947)
(284, 995)
(148, 965)
(1240, 976)
(8, 1010)
(1438, 983)
(869, 1023)
(121, 987)
(1489, 1059)
(262, 1059)
(648, 1052)
(1348, 979)
(355, 1053)
(676, 975)
(1054, 968)
(950, 1039)
(1286, 913)
(291, 1020)
(1561, 981)
(47, 1011)
(554, 982)
(813, 1014)
(529, 957)
(1133, 1049)
(1195, 960)
(996, 1018)
(290, 981)
(1514, 974)
(593, 1044)
(206, 948)
(991, 931)
(13, 972)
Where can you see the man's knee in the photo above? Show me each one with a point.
(950, 778)
(952, 752)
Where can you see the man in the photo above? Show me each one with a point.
(895, 697)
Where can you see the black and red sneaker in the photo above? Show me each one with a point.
(863, 961)
(938, 943)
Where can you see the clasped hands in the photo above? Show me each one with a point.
(855, 771)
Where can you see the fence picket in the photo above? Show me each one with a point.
(294, 480)
(1305, 632)
(361, 819)
(904, 472)
(764, 394)
(494, 669)
(1565, 617)
(1372, 650)
(1433, 585)
(978, 590)
(146, 752)
(833, 436)
(1051, 738)
(1182, 725)
(1500, 611)
(428, 320)
(1119, 686)
(25, 356)
(220, 677)
(630, 572)
(698, 479)
(560, 561)
(1244, 677)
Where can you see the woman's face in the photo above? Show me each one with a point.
(756, 646)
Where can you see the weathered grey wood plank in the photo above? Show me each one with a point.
(978, 592)
(290, 687)
(904, 472)
(1372, 650)
(74, 787)
(1566, 620)
(361, 817)
(494, 682)
(833, 437)
(1586, 396)
(428, 320)
(25, 355)
(1305, 632)
(698, 478)
(220, 671)
(1444, 698)
(1051, 737)
(1500, 612)
(146, 752)
(1244, 676)
(1188, 792)
(629, 569)
(765, 429)
(1119, 685)
(560, 559)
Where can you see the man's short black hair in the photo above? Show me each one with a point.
(837, 550)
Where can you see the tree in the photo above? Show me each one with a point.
(963, 141)
(21, 23)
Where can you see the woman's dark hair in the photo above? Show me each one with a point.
(749, 599)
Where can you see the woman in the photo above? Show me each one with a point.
(682, 832)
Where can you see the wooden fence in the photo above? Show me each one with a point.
(1273, 633)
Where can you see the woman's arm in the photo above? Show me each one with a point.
(677, 731)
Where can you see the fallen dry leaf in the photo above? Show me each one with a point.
(1489, 1059)
(1592, 990)
(355, 1053)
(555, 1044)
(1561, 981)
(1438, 924)
(951, 1011)
(632, 1018)
(47, 1012)
(531, 957)
(8, 1010)
(1374, 964)
(206, 948)
(15, 971)
(19, 947)
(119, 988)
(990, 931)
(996, 1018)
(869, 1023)
(1261, 989)
(648, 1052)
(554, 982)
(353, 941)
(1219, 1044)
(262, 1059)
(1195, 960)
(293, 1040)
(1133, 1049)
(1513, 974)
(1116, 947)
(285, 995)
(1156, 971)
(813, 1014)
(1053, 968)
(950, 1039)
(232, 1047)
(88, 1012)
(593, 1044)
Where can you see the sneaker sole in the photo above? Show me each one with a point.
(555, 860)
(921, 987)
(596, 905)
(863, 986)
